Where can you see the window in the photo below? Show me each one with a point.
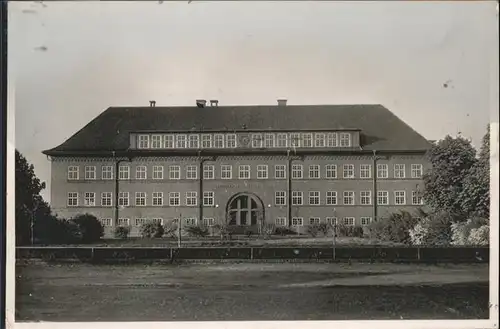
(383, 197)
(314, 198)
(297, 221)
(106, 199)
(208, 198)
(331, 198)
(297, 198)
(366, 221)
(168, 141)
(416, 198)
(191, 221)
(280, 198)
(348, 171)
(331, 220)
(262, 171)
(399, 197)
(244, 172)
(157, 198)
(257, 140)
(281, 140)
(365, 197)
(331, 140)
(314, 221)
(89, 199)
(123, 222)
(345, 140)
(416, 171)
(349, 221)
(348, 197)
(124, 172)
(206, 141)
(174, 199)
(319, 140)
(140, 198)
(219, 141)
(191, 172)
(208, 221)
(226, 171)
(143, 142)
(194, 141)
(157, 172)
(174, 172)
(295, 140)
(307, 140)
(180, 141)
(107, 172)
(72, 199)
(208, 172)
(106, 222)
(156, 141)
(73, 172)
(90, 172)
(331, 171)
(123, 199)
(268, 140)
(399, 171)
(297, 171)
(280, 221)
(382, 171)
(365, 171)
(280, 171)
(313, 171)
(141, 172)
(140, 221)
(157, 221)
(191, 198)
(231, 141)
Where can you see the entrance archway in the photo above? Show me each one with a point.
(244, 209)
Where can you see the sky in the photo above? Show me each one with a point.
(431, 63)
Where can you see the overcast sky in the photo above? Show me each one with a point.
(70, 61)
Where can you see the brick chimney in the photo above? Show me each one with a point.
(281, 102)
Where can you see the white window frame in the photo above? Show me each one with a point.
(280, 198)
(180, 141)
(89, 199)
(174, 172)
(314, 198)
(208, 221)
(365, 198)
(156, 141)
(332, 140)
(140, 196)
(90, 173)
(269, 140)
(106, 222)
(295, 140)
(319, 140)
(280, 171)
(106, 172)
(194, 141)
(331, 220)
(226, 171)
(157, 220)
(282, 140)
(345, 140)
(142, 142)
(382, 170)
(314, 220)
(169, 141)
(244, 172)
(231, 141)
(297, 171)
(206, 141)
(157, 199)
(105, 197)
(141, 172)
(218, 141)
(349, 221)
(417, 170)
(208, 172)
(365, 171)
(72, 200)
(208, 198)
(365, 221)
(314, 171)
(331, 198)
(297, 198)
(174, 199)
(307, 140)
(297, 221)
(73, 172)
(262, 171)
(122, 222)
(331, 171)
(257, 140)
(124, 172)
(280, 221)
(191, 198)
(416, 198)
(191, 221)
(383, 198)
(139, 221)
(399, 170)
(397, 198)
(122, 197)
(348, 171)
(158, 172)
(191, 172)
(351, 196)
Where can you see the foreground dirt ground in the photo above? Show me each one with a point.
(300, 291)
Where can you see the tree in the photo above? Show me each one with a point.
(452, 160)
(90, 227)
(475, 195)
(29, 204)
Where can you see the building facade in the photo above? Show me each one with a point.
(244, 166)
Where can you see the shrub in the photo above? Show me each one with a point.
(90, 228)
(313, 230)
(395, 228)
(170, 230)
(197, 231)
(159, 230)
(148, 229)
(53, 230)
(122, 232)
(223, 231)
(349, 231)
(248, 233)
(460, 231)
(324, 229)
(479, 236)
(268, 230)
(434, 230)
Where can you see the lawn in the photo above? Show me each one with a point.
(85, 292)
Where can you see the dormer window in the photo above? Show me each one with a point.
(307, 140)
(256, 140)
(331, 140)
(168, 141)
(219, 141)
(180, 141)
(143, 142)
(206, 141)
(156, 141)
(194, 141)
(295, 140)
(231, 141)
(268, 140)
(319, 140)
(345, 140)
(282, 140)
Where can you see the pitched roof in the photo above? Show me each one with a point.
(380, 129)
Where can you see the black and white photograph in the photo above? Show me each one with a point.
(232, 162)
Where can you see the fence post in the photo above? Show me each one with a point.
(92, 254)
(418, 253)
(251, 253)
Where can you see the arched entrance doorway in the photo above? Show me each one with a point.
(244, 209)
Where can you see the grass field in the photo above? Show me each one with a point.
(84, 292)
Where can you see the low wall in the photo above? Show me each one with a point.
(368, 253)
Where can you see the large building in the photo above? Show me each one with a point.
(286, 165)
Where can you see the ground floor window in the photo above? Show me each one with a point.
(297, 221)
(349, 221)
(281, 221)
(106, 222)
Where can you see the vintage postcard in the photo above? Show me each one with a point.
(252, 164)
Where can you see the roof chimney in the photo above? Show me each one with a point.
(281, 102)
(214, 102)
(152, 103)
(201, 103)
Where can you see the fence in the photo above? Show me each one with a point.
(340, 254)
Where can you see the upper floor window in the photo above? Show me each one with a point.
(191, 172)
(143, 142)
(73, 172)
(295, 140)
(106, 199)
(157, 172)
(416, 198)
(331, 198)
(157, 198)
(313, 171)
(279, 171)
(140, 198)
(331, 140)
(256, 140)
(383, 197)
(208, 198)
(123, 199)
(156, 141)
(141, 172)
(382, 171)
(191, 198)
(72, 199)
(348, 171)
(174, 199)
(314, 198)
(416, 171)
(400, 197)
(194, 141)
(399, 171)
(331, 171)
(345, 139)
(319, 140)
(90, 172)
(297, 171)
(262, 171)
(280, 198)
(124, 172)
(180, 141)
(231, 141)
(107, 172)
(365, 197)
(281, 140)
(307, 140)
(206, 141)
(208, 172)
(297, 198)
(219, 141)
(348, 197)
(226, 171)
(268, 140)
(297, 221)
(244, 172)
(365, 171)
(168, 141)
(89, 199)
